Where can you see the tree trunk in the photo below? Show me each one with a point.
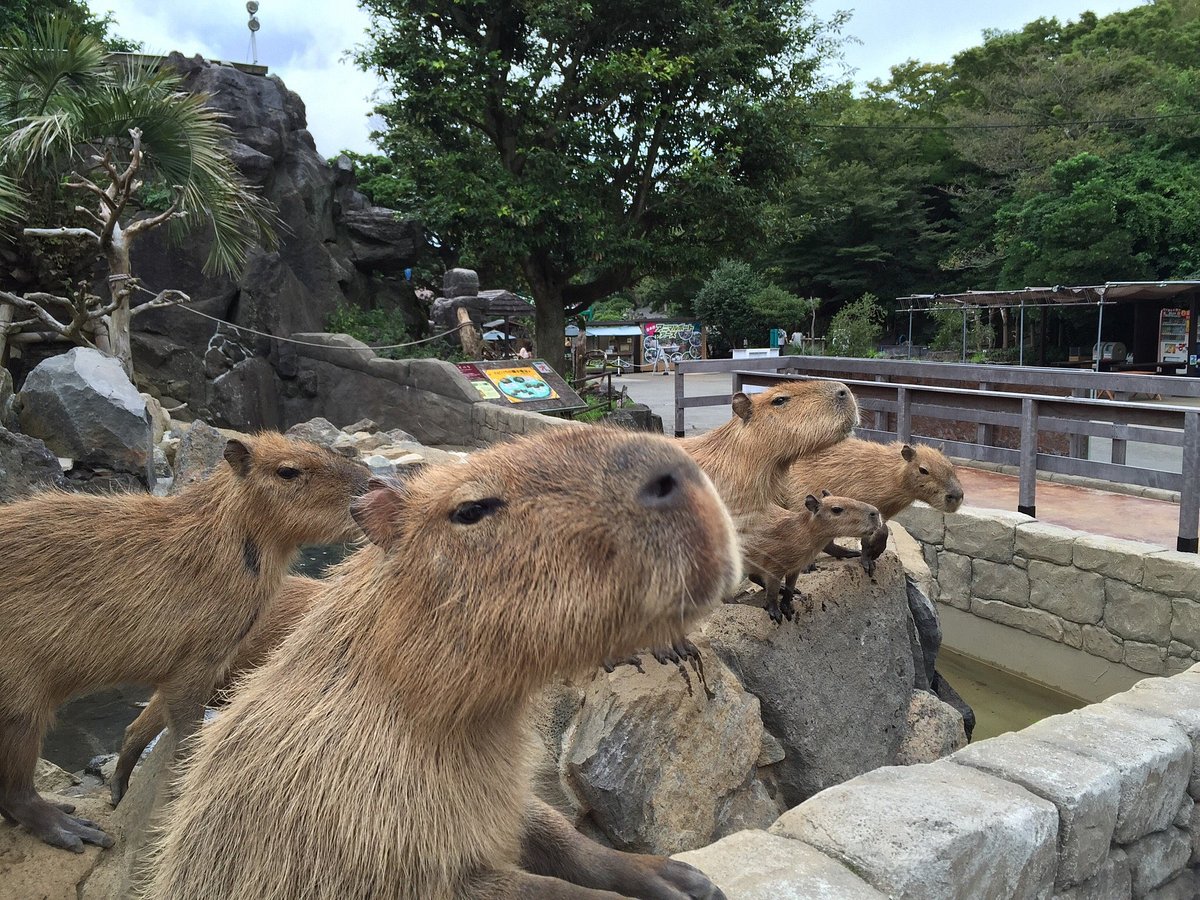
(549, 316)
(119, 344)
(468, 334)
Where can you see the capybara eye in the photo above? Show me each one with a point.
(922, 470)
(837, 510)
(471, 512)
(287, 473)
(779, 401)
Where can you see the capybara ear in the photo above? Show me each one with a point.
(824, 493)
(812, 503)
(908, 453)
(237, 455)
(377, 511)
(742, 407)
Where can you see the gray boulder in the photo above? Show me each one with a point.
(7, 397)
(662, 768)
(317, 430)
(380, 241)
(834, 684)
(84, 407)
(25, 466)
(201, 449)
(933, 729)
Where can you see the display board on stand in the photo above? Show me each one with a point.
(525, 384)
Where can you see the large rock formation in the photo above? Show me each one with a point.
(334, 248)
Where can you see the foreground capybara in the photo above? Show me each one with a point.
(382, 751)
(135, 589)
(292, 601)
(779, 546)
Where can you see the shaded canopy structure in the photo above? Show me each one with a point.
(1146, 294)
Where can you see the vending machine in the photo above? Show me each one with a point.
(1173, 335)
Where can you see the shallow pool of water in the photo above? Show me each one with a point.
(1002, 701)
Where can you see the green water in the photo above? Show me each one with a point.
(1002, 701)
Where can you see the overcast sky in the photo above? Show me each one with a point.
(304, 42)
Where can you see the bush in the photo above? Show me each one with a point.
(387, 326)
(725, 304)
(857, 328)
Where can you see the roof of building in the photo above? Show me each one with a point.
(507, 304)
(1109, 292)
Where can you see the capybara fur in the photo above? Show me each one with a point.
(295, 596)
(136, 589)
(779, 545)
(383, 751)
(749, 457)
(888, 476)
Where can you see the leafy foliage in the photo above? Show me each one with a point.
(857, 327)
(23, 15)
(63, 106)
(580, 146)
(725, 303)
(381, 327)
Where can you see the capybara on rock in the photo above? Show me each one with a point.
(135, 589)
(888, 476)
(382, 751)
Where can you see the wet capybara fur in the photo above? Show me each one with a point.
(292, 601)
(383, 752)
(136, 589)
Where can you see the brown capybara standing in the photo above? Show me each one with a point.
(888, 476)
(135, 589)
(779, 545)
(382, 751)
(749, 457)
(292, 601)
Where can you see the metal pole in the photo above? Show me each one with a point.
(1026, 502)
(1099, 344)
(964, 352)
(910, 334)
(1021, 344)
(903, 415)
(678, 401)
(1189, 496)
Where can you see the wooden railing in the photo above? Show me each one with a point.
(892, 405)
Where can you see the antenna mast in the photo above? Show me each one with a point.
(253, 25)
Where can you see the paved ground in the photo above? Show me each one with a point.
(1098, 512)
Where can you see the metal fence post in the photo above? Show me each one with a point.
(1026, 502)
(984, 433)
(903, 415)
(678, 401)
(1189, 496)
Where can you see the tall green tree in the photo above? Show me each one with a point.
(583, 145)
(79, 137)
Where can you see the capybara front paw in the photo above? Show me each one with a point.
(691, 881)
(635, 661)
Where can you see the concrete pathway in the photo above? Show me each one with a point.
(1084, 509)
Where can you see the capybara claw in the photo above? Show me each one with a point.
(775, 612)
(611, 664)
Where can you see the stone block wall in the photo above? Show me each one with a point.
(1121, 601)
(344, 381)
(1095, 803)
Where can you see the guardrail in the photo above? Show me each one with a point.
(893, 406)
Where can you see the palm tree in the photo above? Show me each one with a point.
(75, 122)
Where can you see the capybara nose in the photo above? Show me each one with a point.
(662, 491)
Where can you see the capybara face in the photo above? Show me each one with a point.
(303, 489)
(804, 416)
(844, 517)
(930, 477)
(593, 542)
